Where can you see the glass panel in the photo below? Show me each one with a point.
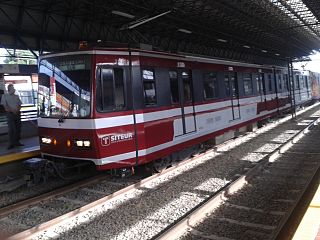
(234, 85)
(280, 82)
(119, 89)
(227, 84)
(107, 89)
(270, 82)
(306, 81)
(174, 86)
(297, 86)
(187, 88)
(210, 86)
(247, 83)
(149, 86)
(64, 86)
(149, 93)
(26, 97)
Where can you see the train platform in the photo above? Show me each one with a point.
(30, 149)
(309, 227)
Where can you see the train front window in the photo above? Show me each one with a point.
(64, 87)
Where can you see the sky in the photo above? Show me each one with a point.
(314, 65)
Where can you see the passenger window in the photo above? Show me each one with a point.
(210, 86)
(247, 84)
(110, 90)
(187, 87)
(280, 81)
(227, 84)
(149, 87)
(174, 86)
(297, 82)
(287, 82)
(270, 82)
(261, 84)
(301, 82)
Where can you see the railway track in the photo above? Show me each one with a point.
(129, 200)
(241, 210)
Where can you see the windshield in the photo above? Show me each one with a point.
(64, 87)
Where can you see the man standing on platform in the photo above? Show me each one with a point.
(12, 104)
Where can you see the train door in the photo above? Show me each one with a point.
(231, 81)
(181, 83)
(111, 96)
(262, 91)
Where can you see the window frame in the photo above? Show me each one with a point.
(143, 88)
(99, 78)
(215, 82)
(251, 81)
(177, 79)
(270, 90)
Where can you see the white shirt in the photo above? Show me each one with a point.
(12, 101)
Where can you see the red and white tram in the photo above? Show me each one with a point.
(120, 108)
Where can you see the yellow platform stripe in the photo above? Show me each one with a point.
(309, 226)
(19, 156)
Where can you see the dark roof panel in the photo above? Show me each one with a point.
(264, 31)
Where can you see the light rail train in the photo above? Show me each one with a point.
(121, 107)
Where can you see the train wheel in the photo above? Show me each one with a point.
(161, 164)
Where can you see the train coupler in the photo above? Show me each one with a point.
(123, 172)
(35, 171)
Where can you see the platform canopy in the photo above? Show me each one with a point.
(260, 31)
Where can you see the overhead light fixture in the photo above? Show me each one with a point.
(123, 14)
(184, 30)
(277, 54)
(246, 46)
(222, 40)
(265, 51)
(99, 41)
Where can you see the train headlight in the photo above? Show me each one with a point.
(79, 143)
(83, 143)
(46, 140)
(86, 143)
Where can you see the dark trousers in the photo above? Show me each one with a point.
(14, 124)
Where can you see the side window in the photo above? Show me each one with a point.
(174, 86)
(269, 83)
(297, 82)
(210, 85)
(187, 87)
(261, 83)
(247, 84)
(287, 82)
(227, 84)
(280, 81)
(149, 87)
(302, 82)
(110, 90)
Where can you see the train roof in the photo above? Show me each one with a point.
(157, 54)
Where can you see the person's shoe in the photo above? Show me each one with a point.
(10, 147)
(19, 144)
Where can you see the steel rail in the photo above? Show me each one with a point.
(4, 211)
(77, 213)
(200, 212)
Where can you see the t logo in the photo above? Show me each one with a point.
(105, 141)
